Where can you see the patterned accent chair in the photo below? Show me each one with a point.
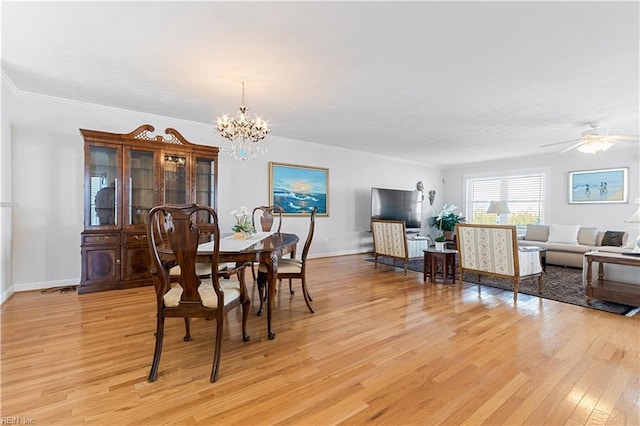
(390, 240)
(492, 250)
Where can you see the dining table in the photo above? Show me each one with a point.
(266, 248)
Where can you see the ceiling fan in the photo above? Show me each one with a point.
(594, 140)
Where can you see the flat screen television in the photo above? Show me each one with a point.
(397, 204)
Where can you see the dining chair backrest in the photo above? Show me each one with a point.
(307, 243)
(266, 217)
(175, 227)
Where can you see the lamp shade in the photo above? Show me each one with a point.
(635, 218)
(499, 207)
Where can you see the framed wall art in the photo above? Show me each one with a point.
(598, 186)
(296, 189)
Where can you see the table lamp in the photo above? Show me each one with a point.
(499, 207)
(635, 218)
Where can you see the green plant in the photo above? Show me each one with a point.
(440, 239)
(446, 219)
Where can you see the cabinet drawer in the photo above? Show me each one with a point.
(101, 239)
(132, 239)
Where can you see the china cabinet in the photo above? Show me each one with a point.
(125, 175)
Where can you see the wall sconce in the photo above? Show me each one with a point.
(432, 196)
(420, 187)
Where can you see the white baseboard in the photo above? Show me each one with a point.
(42, 285)
(6, 295)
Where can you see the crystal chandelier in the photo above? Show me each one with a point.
(241, 135)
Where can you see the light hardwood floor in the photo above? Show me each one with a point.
(381, 348)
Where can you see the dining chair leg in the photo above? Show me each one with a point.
(218, 348)
(187, 326)
(305, 292)
(153, 374)
(291, 287)
(246, 304)
(261, 282)
(253, 272)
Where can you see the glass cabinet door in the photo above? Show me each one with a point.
(205, 184)
(140, 186)
(175, 178)
(103, 180)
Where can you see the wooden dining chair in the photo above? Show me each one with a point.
(192, 296)
(263, 219)
(291, 268)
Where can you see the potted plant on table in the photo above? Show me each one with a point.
(243, 227)
(445, 221)
(440, 242)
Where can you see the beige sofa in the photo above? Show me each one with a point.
(567, 244)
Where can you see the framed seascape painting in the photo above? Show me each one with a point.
(296, 189)
(598, 186)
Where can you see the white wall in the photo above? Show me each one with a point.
(6, 200)
(604, 216)
(47, 183)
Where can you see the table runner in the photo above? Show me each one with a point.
(231, 244)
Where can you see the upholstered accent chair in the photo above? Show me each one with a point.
(492, 250)
(191, 296)
(390, 240)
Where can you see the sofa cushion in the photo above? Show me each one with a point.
(588, 236)
(567, 234)
(613, 238)
(537, 233)
(564, 247)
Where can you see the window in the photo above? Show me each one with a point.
(524, 193)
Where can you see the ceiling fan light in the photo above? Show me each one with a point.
(594, 146)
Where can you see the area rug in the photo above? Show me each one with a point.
(561, 284)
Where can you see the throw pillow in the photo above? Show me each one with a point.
(567, 234)
(612, 238)
(537, 233)
(588, 236)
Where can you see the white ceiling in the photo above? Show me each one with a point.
(437, 82)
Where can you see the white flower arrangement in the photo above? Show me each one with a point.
(243, 222)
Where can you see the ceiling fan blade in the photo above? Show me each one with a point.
(575, 145)
(625, 138)
(560, 143)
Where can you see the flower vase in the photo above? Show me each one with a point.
(439, 246)
(238, 236)
(246, 235)
(448, 235)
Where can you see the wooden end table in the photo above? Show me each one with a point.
(612, 291)
(446, 259)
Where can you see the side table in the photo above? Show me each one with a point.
(440, 264)
(612, 291)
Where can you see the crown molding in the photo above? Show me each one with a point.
(8, 84)
(22, 94)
